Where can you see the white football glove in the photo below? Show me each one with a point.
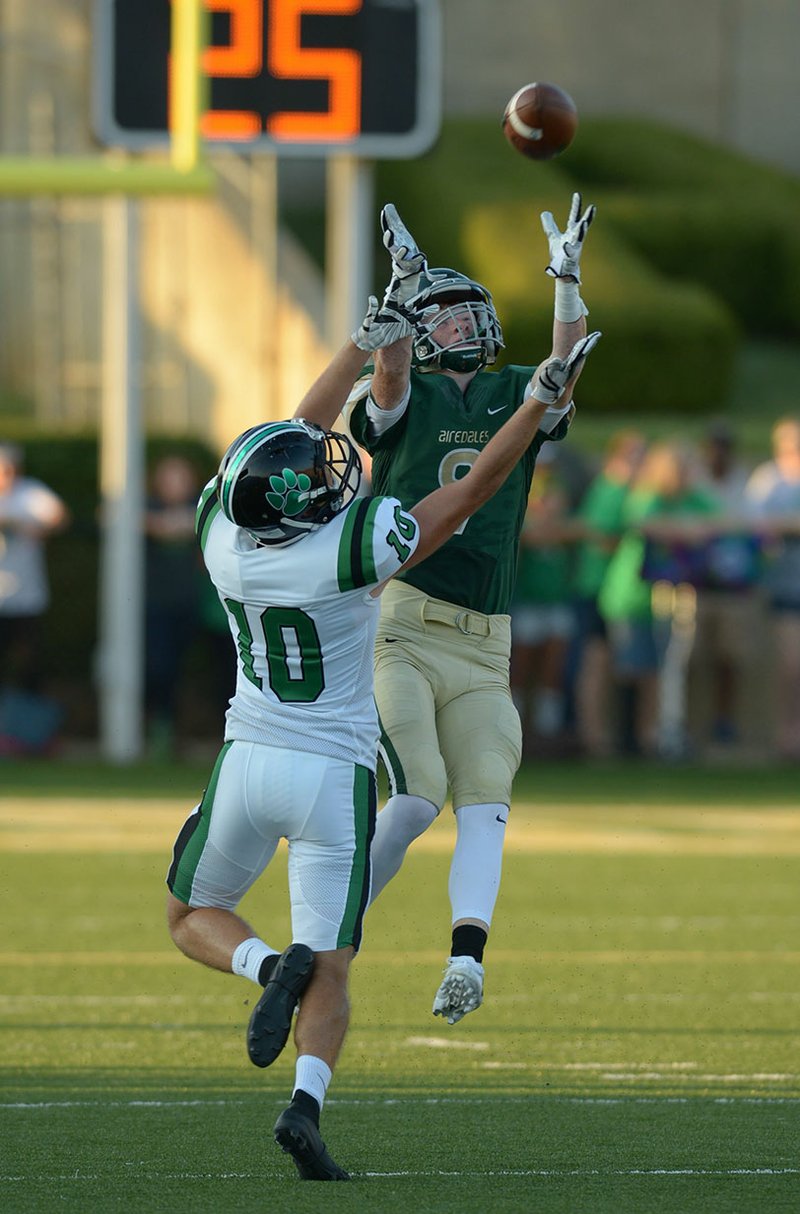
(566, 246)
(407, 260)
(554, 375)
(384, 323)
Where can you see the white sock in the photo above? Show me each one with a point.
(399, 823)
(248, 956)
(477, 861)
(312, 1075)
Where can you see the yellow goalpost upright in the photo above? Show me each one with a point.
(185, 171)
(122, 179)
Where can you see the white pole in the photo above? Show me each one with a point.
(350, 233)
(120, 673)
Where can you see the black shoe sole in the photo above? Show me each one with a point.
(300, 1138)
(268, 1030)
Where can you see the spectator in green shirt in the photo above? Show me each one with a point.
(600, 517)
(542, 615)
(667, 508)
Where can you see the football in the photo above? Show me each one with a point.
(540, 121)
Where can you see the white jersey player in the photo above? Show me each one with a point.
(303, 622)
(299, 560)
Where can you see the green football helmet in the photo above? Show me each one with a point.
(281, 480)
(473, 336)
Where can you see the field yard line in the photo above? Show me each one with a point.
(37, 824)
(447, 1043)
(14, 1001)
(695, 1077)
(119, 1104)
(581, 1172)
(508, 1173)
(385, 1101)
(376, 957)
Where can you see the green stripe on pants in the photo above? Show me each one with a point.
(365, 800)
(185, 863)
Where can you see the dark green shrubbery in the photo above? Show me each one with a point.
(667, 346)
(695, 245)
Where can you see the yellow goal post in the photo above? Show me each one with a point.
(185, 171)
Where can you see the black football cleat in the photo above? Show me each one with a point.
(300, 1137)
(272, 1016)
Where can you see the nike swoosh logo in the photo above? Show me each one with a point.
(390, 640)
(499, 409)
(499, 819)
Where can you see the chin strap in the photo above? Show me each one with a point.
(462, 360)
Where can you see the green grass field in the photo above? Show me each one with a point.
(637, 1050)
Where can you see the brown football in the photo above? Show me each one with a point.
(540, 121)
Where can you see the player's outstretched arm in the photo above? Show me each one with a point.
(569, 324)
(384, 325)
(443, 511)
(408, 261)
(392, 372)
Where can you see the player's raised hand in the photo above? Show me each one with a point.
(407, 260)
(553, 376)
(384, 323)
(566, 247)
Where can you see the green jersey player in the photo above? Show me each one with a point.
(425, 414)
(299, 560)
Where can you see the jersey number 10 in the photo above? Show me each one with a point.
(294, 654)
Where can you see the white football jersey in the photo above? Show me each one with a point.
(303, 622)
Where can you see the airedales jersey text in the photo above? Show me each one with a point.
(437, 441)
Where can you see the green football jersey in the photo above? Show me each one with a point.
(436, 442)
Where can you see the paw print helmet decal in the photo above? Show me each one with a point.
(281, 480)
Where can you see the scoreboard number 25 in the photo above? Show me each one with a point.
(287, 59)
(291, 76)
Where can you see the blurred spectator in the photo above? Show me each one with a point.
(173, 579)
(659, 512)
(601, 515)
(720, 469)
(727, 603)
(773, 494)
(29, 512)
(217, 634)
(542, 619)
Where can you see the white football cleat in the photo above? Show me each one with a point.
(461, 990)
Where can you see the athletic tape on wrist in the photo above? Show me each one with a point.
(569, 305)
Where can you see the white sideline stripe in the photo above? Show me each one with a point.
(621, 956)
(115, 1104)
(139, 1176)
(500, 1172)
(445, 1043)
(70, 824)
(392, 1100)
(693, 1078)
(625, 1066)
(579, 1172)
(105, 1000)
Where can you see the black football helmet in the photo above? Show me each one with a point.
(281, 480)
(470, 307)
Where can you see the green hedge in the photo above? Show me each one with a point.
(700, 212)
(693, 246)
(749, 260)
(649, 323)
(643, 156)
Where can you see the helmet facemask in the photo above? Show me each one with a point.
(343, 471)
(457, 326)
(280, 481)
